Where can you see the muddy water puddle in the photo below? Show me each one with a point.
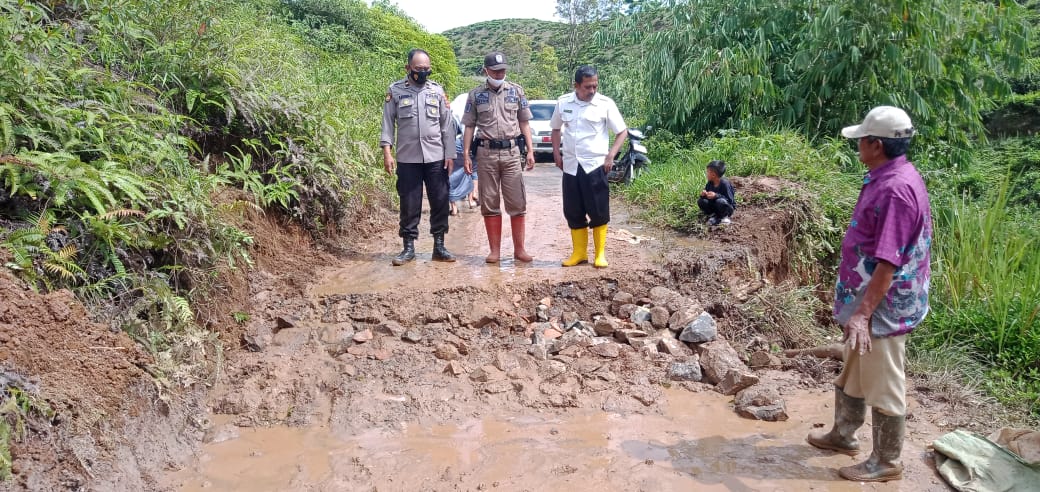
(697, 443)
(631, 245)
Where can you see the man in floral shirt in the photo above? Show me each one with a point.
(881, 295)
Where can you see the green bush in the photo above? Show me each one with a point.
(141, 113)
(751, 64)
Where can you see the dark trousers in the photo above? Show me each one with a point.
(410, 180)
(586, 199)
(720, 207)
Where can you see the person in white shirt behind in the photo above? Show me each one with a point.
(585, 155)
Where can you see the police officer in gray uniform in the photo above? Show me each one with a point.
(425, 139)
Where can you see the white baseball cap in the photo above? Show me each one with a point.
(882, 121)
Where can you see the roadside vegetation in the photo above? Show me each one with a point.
(780, 86)
(136, 135)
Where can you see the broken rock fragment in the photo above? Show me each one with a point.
(700, 329)
(620, 299)
(609, 350)
(363, 336)
(685, 370)
(445, 351)
(762, 403)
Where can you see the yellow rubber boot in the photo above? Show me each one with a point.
(599, 239)
(580, 239)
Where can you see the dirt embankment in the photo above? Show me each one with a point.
(93, 391)
(350, 344)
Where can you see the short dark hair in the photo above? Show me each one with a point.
(416, 51)
(893, 147)
(719, 167)
(583, 72)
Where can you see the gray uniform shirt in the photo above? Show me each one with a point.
(424, 128)
(496, 113)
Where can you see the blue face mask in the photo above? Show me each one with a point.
(419, 77)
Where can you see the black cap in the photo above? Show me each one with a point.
(496, 60)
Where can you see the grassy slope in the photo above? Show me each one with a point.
(476, 40)
(984, 325)
(142, 112)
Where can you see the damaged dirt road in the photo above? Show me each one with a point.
(469, 376)
(341, 372)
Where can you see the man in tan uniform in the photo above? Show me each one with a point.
(497, 113)
(425, 139)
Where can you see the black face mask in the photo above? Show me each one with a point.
(419, 77)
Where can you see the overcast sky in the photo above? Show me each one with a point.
(439, 16)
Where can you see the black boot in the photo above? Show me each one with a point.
(439, 252)
(407, 254)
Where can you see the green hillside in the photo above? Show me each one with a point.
(476, 40)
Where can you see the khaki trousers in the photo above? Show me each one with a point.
(877, 376)
(501, 180)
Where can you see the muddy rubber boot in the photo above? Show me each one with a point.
(493, 225)
(440, 253)
(883, 464)
(407, 254)
(599, 240)
(580, 240)
(516, 226)
(849, 413)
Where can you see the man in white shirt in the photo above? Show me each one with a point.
(584, 117)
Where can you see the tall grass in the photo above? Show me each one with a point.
(986, 282)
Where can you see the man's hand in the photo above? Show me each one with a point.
(449, 164)
(608, 164)
(704, 194)
(467, 162)
(857, 333)
(388, 163)
(558, 159)
(710, 195)
(530, 161)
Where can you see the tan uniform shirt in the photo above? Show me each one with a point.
(496, 113)
(425, 131)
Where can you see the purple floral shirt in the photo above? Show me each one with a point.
(892, 221)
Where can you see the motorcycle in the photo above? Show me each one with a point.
(630, 165)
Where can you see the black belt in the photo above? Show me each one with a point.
(497, 144)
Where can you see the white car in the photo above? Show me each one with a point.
(541, 113)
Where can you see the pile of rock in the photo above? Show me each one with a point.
(664, 326)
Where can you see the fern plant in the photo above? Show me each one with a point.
(40, 256)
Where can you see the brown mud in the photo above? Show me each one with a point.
(352, 374)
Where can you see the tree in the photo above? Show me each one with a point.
(820, 65)
(543, 80)
(581, 17)
(517, 48)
